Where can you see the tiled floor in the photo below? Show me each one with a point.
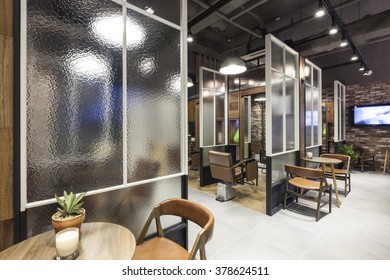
(359, 230)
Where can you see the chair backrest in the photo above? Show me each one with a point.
(195, 160)
(221, 165)
(251, 171)
(185, 209)
(305, 172)
(344, 158)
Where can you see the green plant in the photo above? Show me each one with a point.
(347, 149)
(70, 205)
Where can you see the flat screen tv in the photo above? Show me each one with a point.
(371, 115)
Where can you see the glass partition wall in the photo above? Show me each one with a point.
(103, 104)
(282, 96)
(313, 111)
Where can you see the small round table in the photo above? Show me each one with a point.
(331, 162)
(99, 241)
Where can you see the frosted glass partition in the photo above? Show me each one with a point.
(282, 97)
(339, 111)
(167, 9)
(213, 104)
(313, 105)
(99, 118)
(278, 163)
(73, 99)
(153, 99)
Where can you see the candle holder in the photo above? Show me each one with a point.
(67, 242)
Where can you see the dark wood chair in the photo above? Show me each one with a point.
(342, 172)
(161, 248)
(303, 180)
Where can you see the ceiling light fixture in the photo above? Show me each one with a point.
(232, 65)
(320, 12)
(149, 9)
(343, 42)
(190, 38)
(367, 72)
(333, 30)
(190, 83)
(354, 56)
(362, 67)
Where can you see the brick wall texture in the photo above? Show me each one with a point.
(374, 140)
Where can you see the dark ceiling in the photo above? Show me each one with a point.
(236, 28)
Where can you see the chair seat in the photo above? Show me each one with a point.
(304, 183)
(160, 248)
(336, 171)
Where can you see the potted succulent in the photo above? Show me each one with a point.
(70, 213)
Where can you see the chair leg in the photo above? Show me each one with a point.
(318, 204)
(285, 196)
(330, 199)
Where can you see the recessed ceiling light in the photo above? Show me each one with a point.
(149, 9)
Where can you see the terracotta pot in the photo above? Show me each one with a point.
(60, 224)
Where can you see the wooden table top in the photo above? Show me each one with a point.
(324, 160)
(99, 241)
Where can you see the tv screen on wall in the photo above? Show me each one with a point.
(371, 115)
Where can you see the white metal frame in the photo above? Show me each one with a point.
(24, 204)
(201, 70)
(269, 39)
(339, 121)
(319, 105)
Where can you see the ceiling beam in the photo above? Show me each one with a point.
(224, 17)
(212, 9)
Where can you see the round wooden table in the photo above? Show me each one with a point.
(331, 162)
(99, 241)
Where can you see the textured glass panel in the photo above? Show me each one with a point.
(309, 73)
(290, 113)
(277, 57)
(234, 83)
(208, 120)
(128, 207)
(208, 80)
(167, 9)
(220, 119)
(220, 84)
(277, 112)
(74, 98)
(316, 141)
(291, 65)
(153, 99)
(309, 116)
(278, 163)
(315, 77)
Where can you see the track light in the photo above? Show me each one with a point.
(354, 56)
(320, 12)
(362, 67)
(333, 30)
(367, 72)
(343, 42)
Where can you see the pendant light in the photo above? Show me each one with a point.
(343, 42)
(190, 83)
(232, 66)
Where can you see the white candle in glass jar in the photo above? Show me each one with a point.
(67, 241)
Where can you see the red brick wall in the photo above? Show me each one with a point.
(374, 140)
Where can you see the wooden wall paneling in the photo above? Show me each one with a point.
(6, 124)
(6, 17)
(6, 77)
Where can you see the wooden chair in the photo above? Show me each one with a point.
(195, 161)
(305, 179)
(161, 248)
(343, 173)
